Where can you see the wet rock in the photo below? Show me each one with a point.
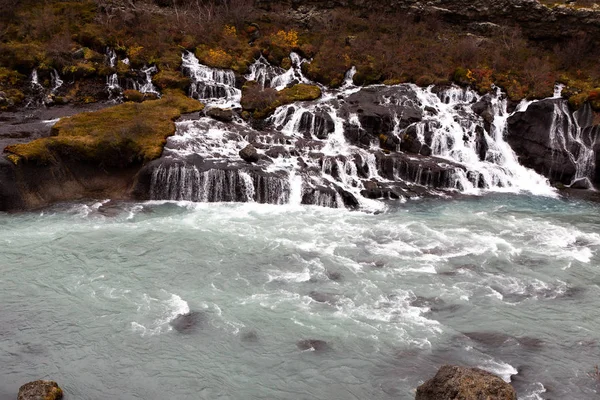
(334, 275)
(250, 336)
(187, 323)
(410, 141)
(581, 183)
(454, 382)
(277, 151)
(389, 142)
(319, 124)
(531, 135)
(220, 114)
(481, 145)
(249, 154)
(40, 390)
(321, 297)
(379, 109)
(313, 345)
(484, 109)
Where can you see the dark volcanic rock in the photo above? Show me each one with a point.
(10, 197)
(378, 109)
(530, 134)
(318, 124)
(453, 382)
(187, 323)
(220, 114)
(40, 390)
(249, 154)
(312, 344)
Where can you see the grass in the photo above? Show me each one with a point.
(118, 136)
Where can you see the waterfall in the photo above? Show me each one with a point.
(35, 83)
(350, 147)
(56, 81)
(181, 181)
(263, 73)
(566, 136)
(147, 86)
(213, 86)
(113, 87)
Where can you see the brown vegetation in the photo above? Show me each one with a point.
(71, 36)
(118, 136)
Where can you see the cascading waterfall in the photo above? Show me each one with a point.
(112, 81)
(211, 85)
(147, 86)
(56, 81)
(566, 135)
(347, 148)
(187, 182)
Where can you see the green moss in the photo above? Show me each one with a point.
(118, 136)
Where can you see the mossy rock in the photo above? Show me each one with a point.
(80, 70)
(91, 55)
(167, 79)
(133, 95)
(366, 75)
(263, 102)
(10, 78)
(299, 92)
(119, 136)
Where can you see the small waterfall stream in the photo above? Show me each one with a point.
(351, 146)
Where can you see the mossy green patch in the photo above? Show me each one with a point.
(118, 136)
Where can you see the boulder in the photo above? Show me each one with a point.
(462, 383)
(220, 114)
(249, 154)
(187, 323)
(380, 109)
(40, 390)
(319, 124)
(537, 136)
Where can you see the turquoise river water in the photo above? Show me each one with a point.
(509, 283)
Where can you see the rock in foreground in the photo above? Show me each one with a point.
(40, 390)
(461, 383)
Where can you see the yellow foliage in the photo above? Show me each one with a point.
(229, 30)
(218, 58)
(286, 39)
(134, 51)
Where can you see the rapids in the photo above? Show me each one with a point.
(505, 282)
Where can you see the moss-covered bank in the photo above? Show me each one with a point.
(118, 136)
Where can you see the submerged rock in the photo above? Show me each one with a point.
(187, 323)
(40, 390)
(453, 382)
(321, 297)
(312, 344)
